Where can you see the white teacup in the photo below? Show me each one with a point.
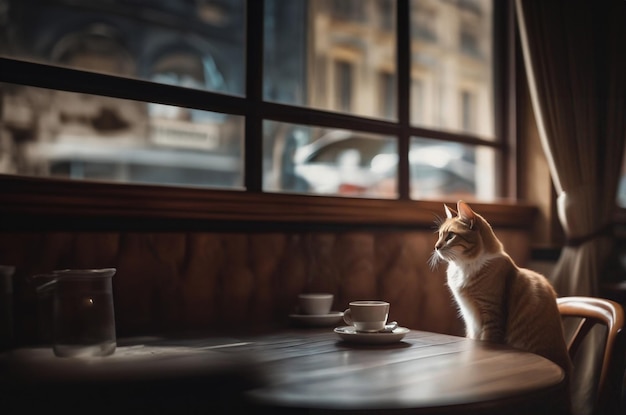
(315, 303)
(367, 316)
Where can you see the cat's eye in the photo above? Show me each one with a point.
(450, 235)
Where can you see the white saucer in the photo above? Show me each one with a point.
(349, 334)
(318, 320)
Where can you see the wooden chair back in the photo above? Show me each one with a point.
(589, 312)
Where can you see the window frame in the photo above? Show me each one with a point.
(45, 199)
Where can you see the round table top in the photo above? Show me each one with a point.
(423, 372)
(312, 369)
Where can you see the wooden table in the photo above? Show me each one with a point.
(143, 376)
(292, 371)
(426, 373)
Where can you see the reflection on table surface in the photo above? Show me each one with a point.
(314, 369)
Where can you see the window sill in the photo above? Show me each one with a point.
(46, 204)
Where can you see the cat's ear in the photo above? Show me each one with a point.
(466, 214)
(450, 213)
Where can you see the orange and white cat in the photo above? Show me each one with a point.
(499, 301)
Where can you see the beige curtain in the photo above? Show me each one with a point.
(575, 57)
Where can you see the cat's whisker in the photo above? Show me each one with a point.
(433, 260)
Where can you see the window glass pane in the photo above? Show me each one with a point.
(197, 44)
(448, 169)
(331, 55)
(79, 136)
(305, 159)
(452, 76)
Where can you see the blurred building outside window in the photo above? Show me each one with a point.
(353, 70)
(329, 55)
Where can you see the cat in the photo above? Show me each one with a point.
(498, 301)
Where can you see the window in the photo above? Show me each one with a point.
(78, 135)
(467, 111)
(347, 10)
(447, 61)
(330, 161)
(343, 86)
(387, 95)
(386, 13)
(307, 97)
(418, 101)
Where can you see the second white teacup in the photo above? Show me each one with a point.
(367, 316)
(315, 303)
